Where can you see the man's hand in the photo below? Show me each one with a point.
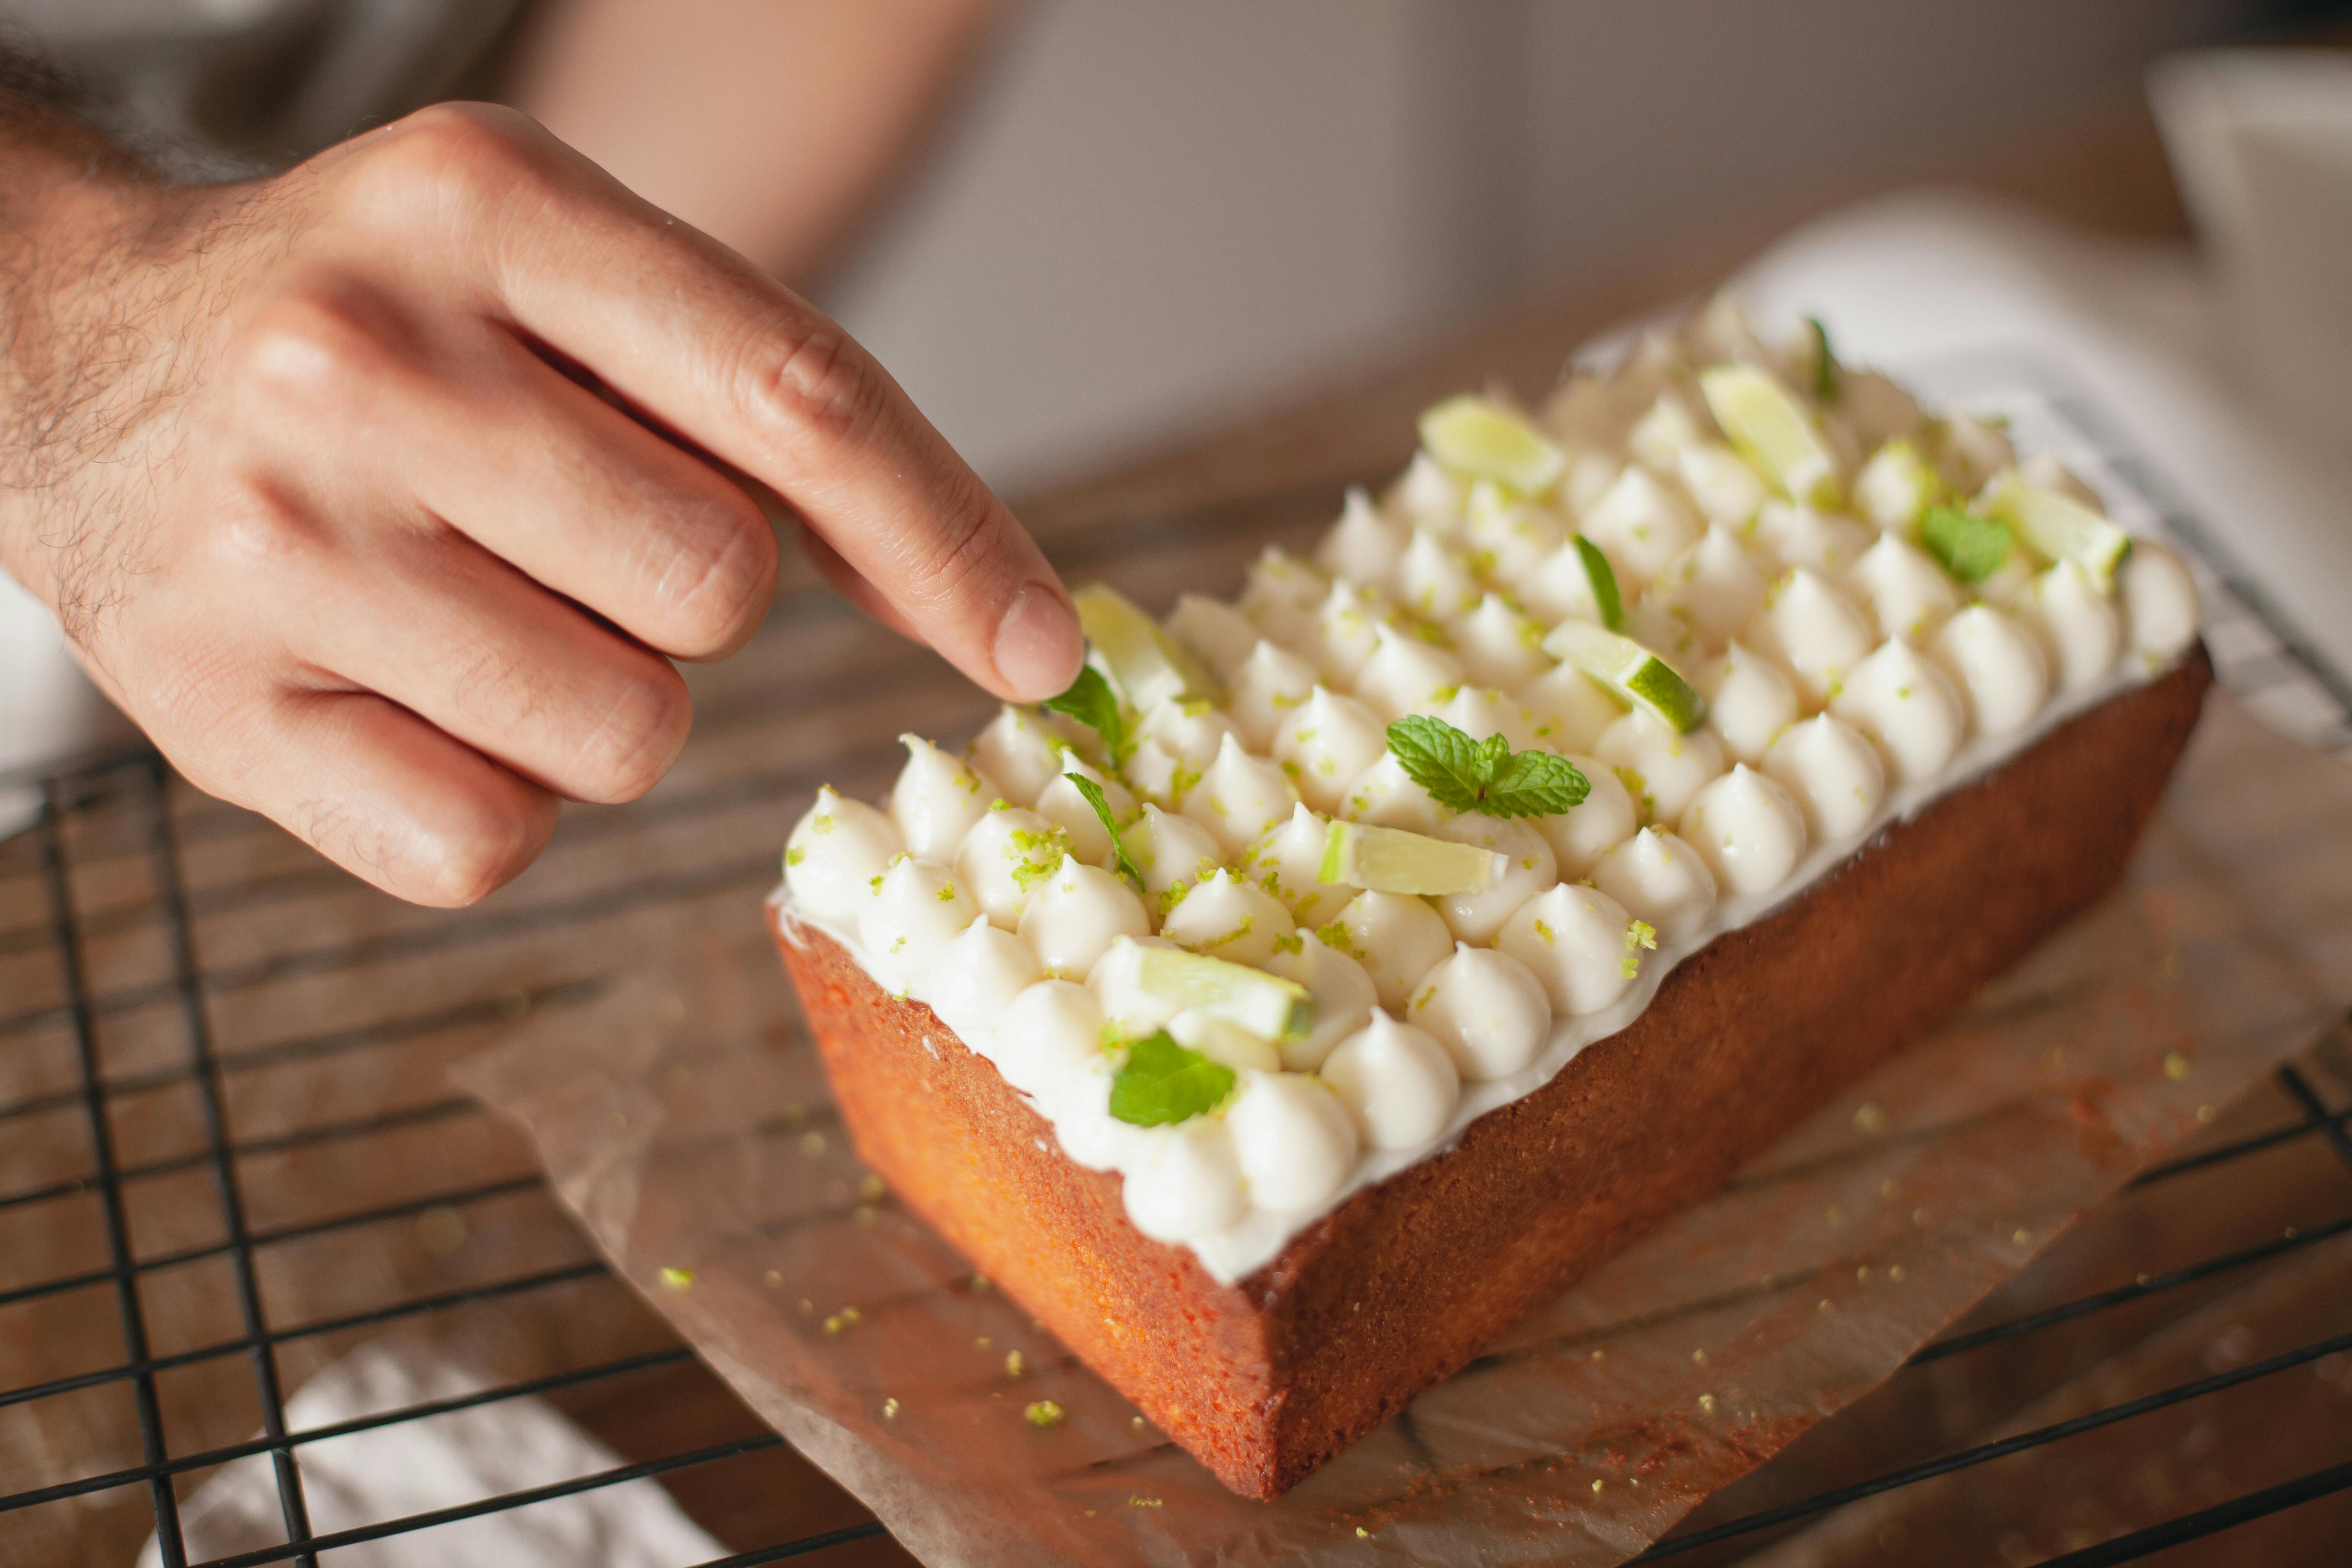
(378, 492)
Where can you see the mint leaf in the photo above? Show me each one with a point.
(1826, 369)
(1162, 1083)
(1484, 775)
(1091, 702)
(1605, 582)
(1971, 548)
(1120, 859)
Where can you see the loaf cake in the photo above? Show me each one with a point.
(1331, 975)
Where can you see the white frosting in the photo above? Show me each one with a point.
(1019, 752)
(1188, 728)
(1281, 595)
(1528, 868)
(836, 851)
(1996, 667)
(1896, 486)
(1325, 743)
(1578, 941)
(1906, 706)
(1397, 938)
(1727, 491)
(1172, 852)
(1810, 540)
(977, 976)
(1363, 546)
(1875, 407)
(1425, 496)
(1188, 1182)
(2159, 601)
(914, 912)
(1403, 674)
(1663, 432)
(1344, 997)
(1560, 587)
(1240, 797)
(1075, 916)
(1399, 1085)
(1220, 1040)
(1834, 773)
(1661, 879)
(936, 801)
(1296, 1142)
(1968, 451)
(1659, 766)
(1570, 706)
(2077, 623)
(1228, 918)
(1606, 818)
(1217, 633)
(1908, 594)
(1060, 804)
(1288, 862)
(1005, 856)
(1433, 581)
(1117, 986)
(1748, 701)
(1715, 588)
(1049, 1042)
(1385, 795)
(1507, 538)
(1271, 682)
(1479, 713)
(1345, 631)
(1487, 1008)
(1641, 525)
(1497, 646)
(1749, 829)
(1812, 631)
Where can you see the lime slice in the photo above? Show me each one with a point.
(1630, 671)
(1390, 861)
(2060, 528)
(1773, 430)
(1479, 436)
(1149, 665)
(1267, 1006)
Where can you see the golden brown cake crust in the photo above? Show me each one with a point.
(1405, 1281)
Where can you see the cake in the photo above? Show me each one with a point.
(1330, 976)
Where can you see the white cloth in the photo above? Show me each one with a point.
(414, 1467)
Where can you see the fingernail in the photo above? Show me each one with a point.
(1038, 645)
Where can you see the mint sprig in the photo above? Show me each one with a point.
(1971, 548)
(1603, 578)
(1122, 861)
(1826, 369)
(1484, 775)
(1090, 700)
(1163, 1083)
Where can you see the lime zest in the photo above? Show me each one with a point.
(1267, 1005)
(1484, 775)
(2060, 528)
(1150, 665)
(1392, 860)
(1774, 432)
(1479, 436)
(1603, 578)
(1163, 1083)
(1971, 548)
(1630, 671)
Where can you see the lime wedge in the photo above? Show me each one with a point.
(1479, 436)
(1149, 665)
(1390, 861)
(1773, 430)
(2060, 528)
(1267, 1006)
(1630, 671)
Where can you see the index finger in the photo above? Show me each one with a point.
(696, 337)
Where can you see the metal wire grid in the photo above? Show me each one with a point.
(2262, 661)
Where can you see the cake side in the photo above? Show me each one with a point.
(1407, 1280)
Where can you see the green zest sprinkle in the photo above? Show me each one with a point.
(1826, 369)
(678, 1279)
(1484, 775)
(1091, 702)
(1970, 547)
(1641, 933)
(794, 857)
(1091, 793)
(1603, 578)
(1163, 1083)
(1043, 1413)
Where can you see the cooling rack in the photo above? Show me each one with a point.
(228, 1152)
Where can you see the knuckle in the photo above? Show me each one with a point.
(311, 349)
(627, 748)
(714, 590)
(261, 532)
(447, 160)
(811, 381)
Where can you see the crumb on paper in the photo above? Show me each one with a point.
(773, 1279)
(2175, 1065)
(889, 1410)
(1136, 1422)
(844, 1319)
(1362, 1534)
(1870, 1119)
(812, 1145)
(980, 1282)
(1043, 1413)
(1597, 1483)
(1698, 1358)
(863, 1214)
(675, 1278)
(1147, 1502)
(2020, 1236)
(1013, 1364)
(870, 1188)
(1706, 1403)
(1894, 1272)
(1823, 1305)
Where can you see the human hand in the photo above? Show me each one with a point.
(335, 483)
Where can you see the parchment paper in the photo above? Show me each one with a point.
(686, 1122)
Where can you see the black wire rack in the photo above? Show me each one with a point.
(111, 975)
